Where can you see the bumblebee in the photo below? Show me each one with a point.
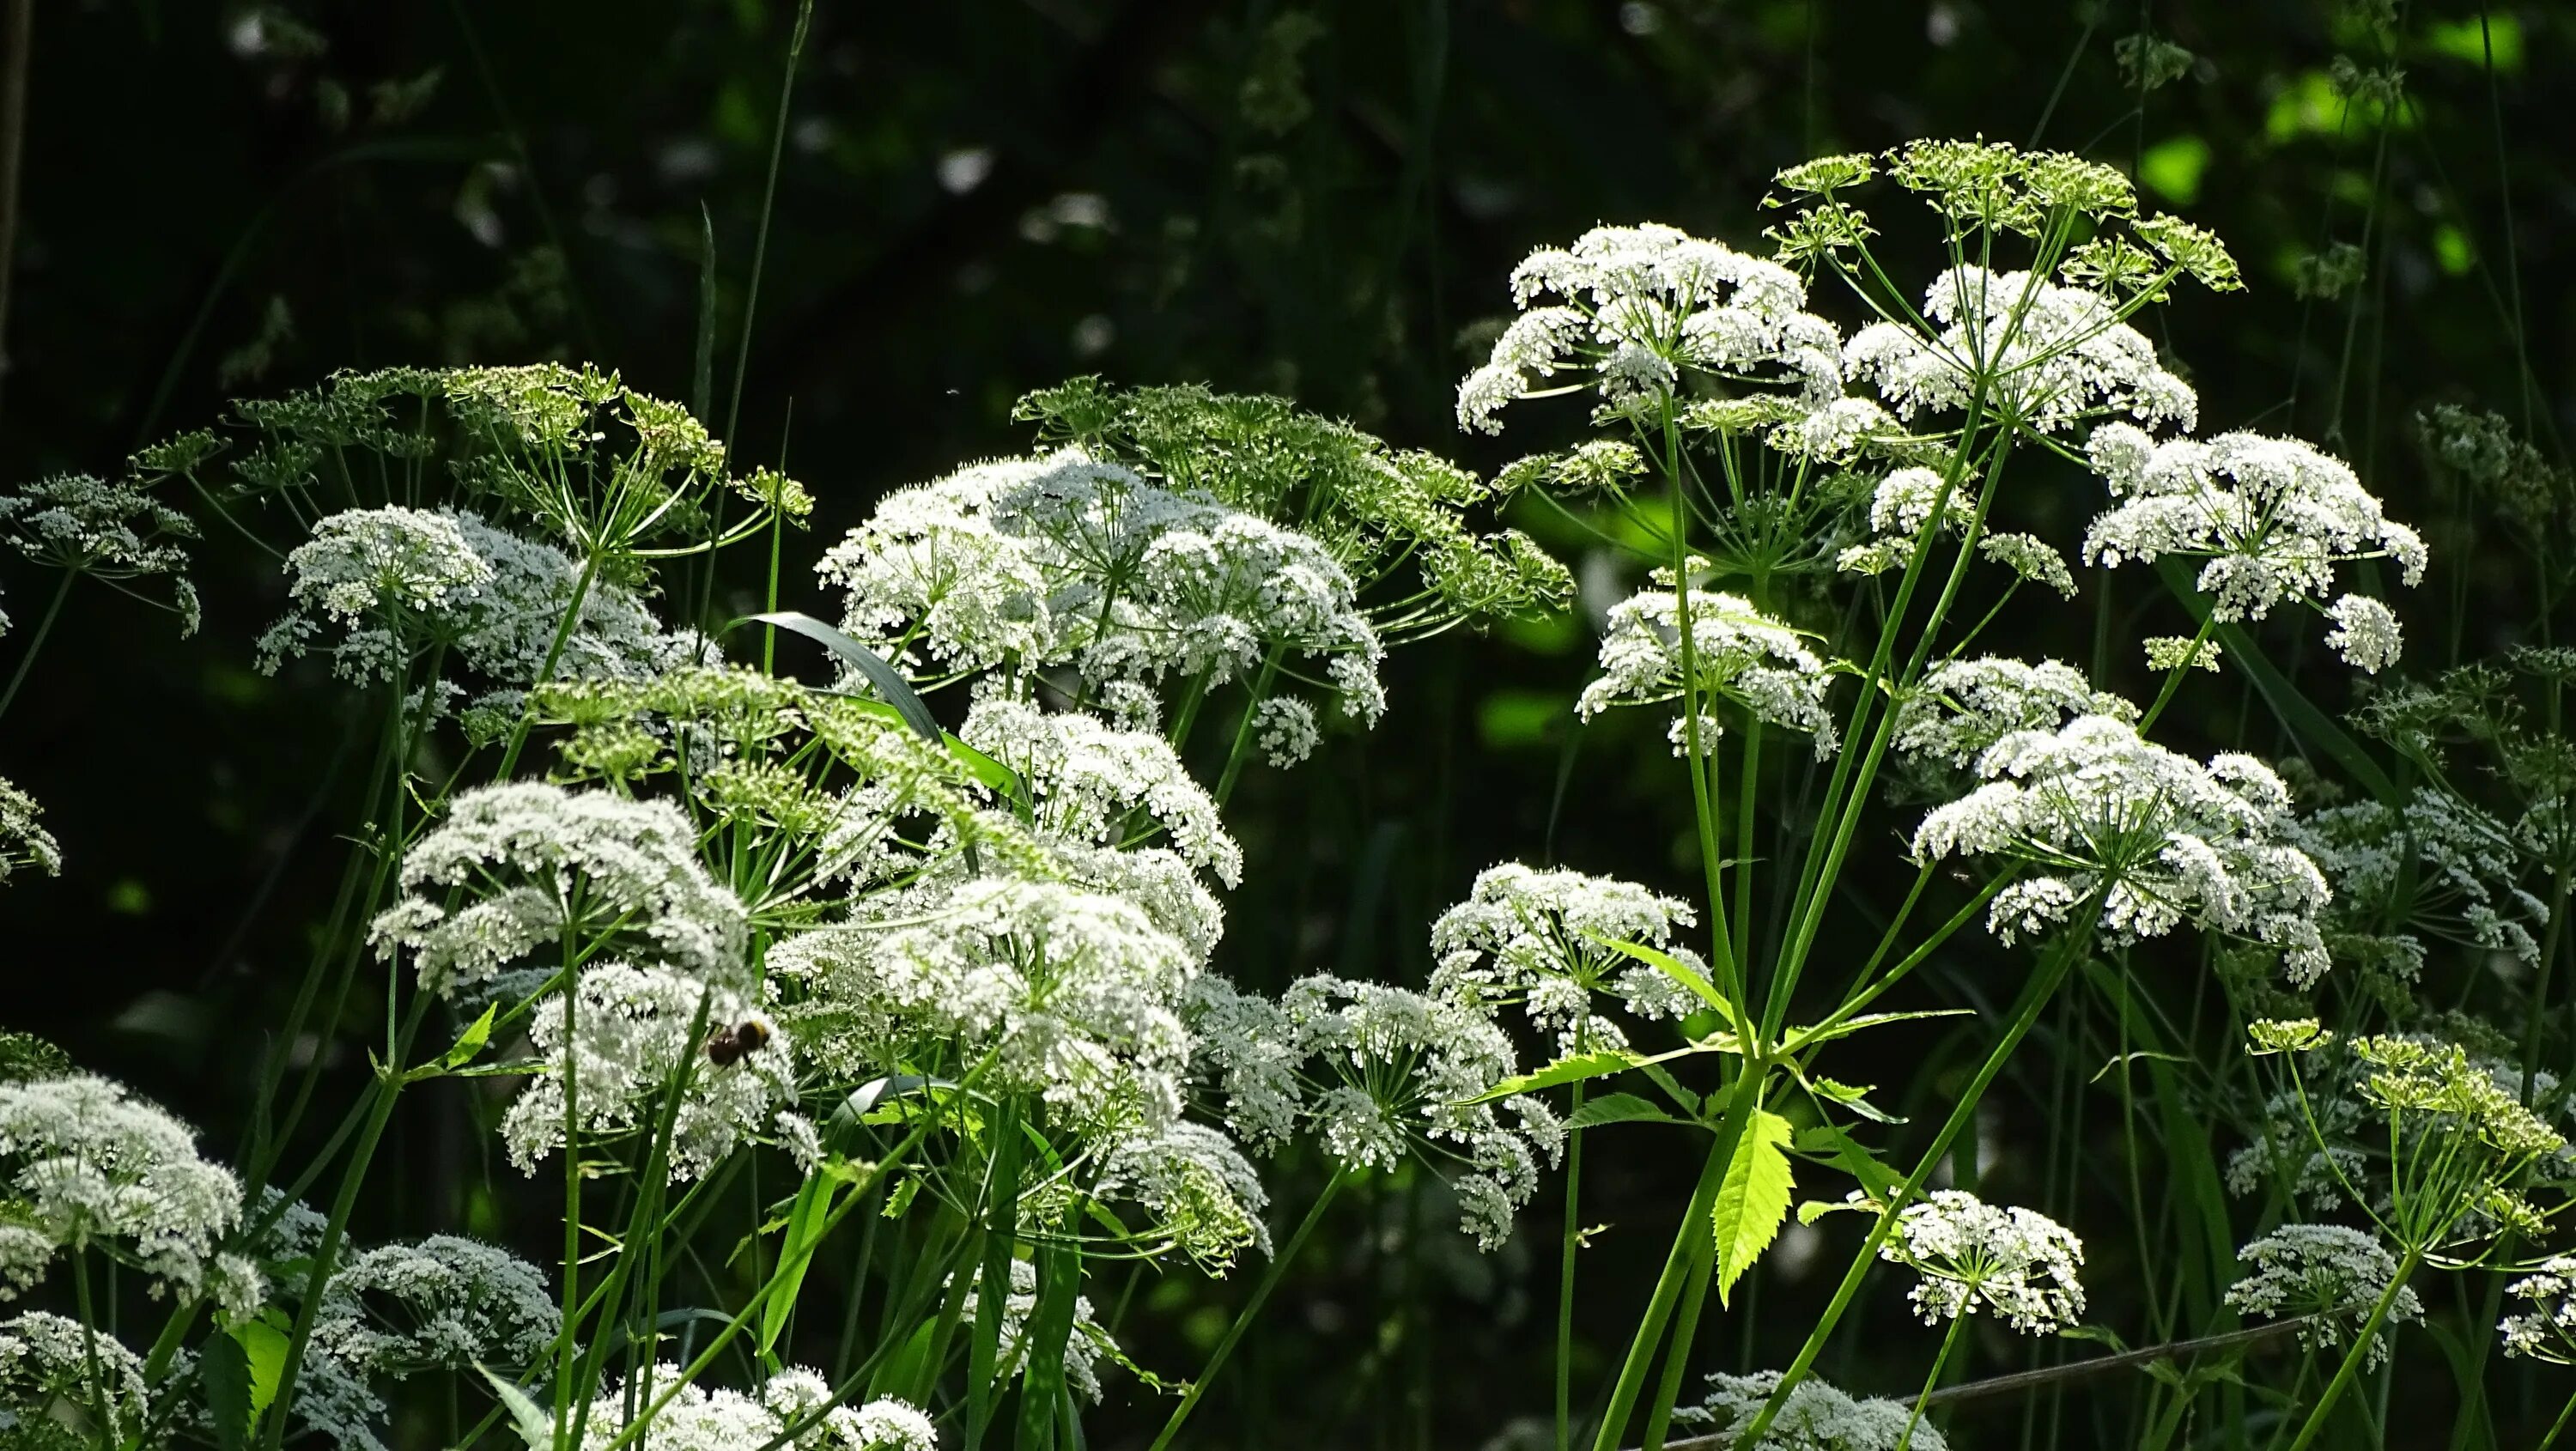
(728, 1046)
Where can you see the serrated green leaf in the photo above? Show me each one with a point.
(263, 1344)
(1576, 1067)
(1754, 1199)
(1826, 1032)
(535, 1425)
(1674, 968)
(468, 1043)
(1617, 1108)
(1855, 1099)
(226, 1373)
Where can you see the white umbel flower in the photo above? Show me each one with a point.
(2161, 839)
(118, 531)
(536, 863)
(2365, 633)
(50, 1398)
(1815, 1417)
(90, 1167)
(401, 1309)
(2015, 1263)
(24, 842)
(1202, 1195)
(2324, 1270)
(1284, 730)
(1542, 938)
(2047, 353)
(1635, 306)
(1082, 1348)
(1402, 1067)
(2546, 1331)
(717, 1418)
(1960, 708)
(1087, 779)
(1737, 651)
(630, 1038)
(2272, 516)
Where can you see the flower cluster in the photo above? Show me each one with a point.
(2272, 516)
(1068, 561)
(1814, 1417)
(24, 842)
(2546, 1331)
(1544, 939)
(118, 531)
(1959, 709)
(57, 1381)
(2435, 867)
(2328, 1272)
(88, 1167)
(1972, 1255)
(2152, 838)
(2047, 354)
(1737, 653)
(622, 1037)
(546, 867)
(1640, 304)
(1406, 1070)
(793, 1411)
(1085, 780)
(400, 1309)
(1083, 1348)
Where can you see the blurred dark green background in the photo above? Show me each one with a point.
(1321, 199)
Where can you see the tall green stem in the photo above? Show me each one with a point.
(1260, 1295)
(2362, 1340)
(1949, 1341)
(1573, 1239)
(1659, 1308)
(36, 641)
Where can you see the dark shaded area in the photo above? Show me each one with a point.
(979, 198)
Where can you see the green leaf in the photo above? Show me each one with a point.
(1674, 968)
(264, 1347)
(535, 1425)
(468, 1043)
(887, 680)
(1855, 1099)
(1617, 1108)
(1827, 1032)
(226, 1372)
(805, 1226)
(1754, 1199)
(1875, 1178)
(1576, 1067)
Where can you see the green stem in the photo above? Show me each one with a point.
(1659, 1308)
(1949, 1341)
(2557, 1426)
(1572, 1241)
(2361, 1343)
(1260, 1294)
(36, 641)
(89, 1347)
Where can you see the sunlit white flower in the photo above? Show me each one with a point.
(2046, 353)
(1960, 708)
(2327, 1271)
(2546, 1331)
(1402, 1068)
(1815, 1417)
(2099, 813)
(1543, 938)
(537, 865)
(400, 1309)
(1089, 781)
(2433, 868)
(113, 531)
(24, 842)
(1246, 1049)
(1637, 305)
(629, 1038)
(2365, 633)
(2272, 516)
(717, 1418)
(1201, 1194)
(1972, 1255)
(2181, 652)
(89, 1167)
(1738, 653)
(1284, 730)
(2032, 558)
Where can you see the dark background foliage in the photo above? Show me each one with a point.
(1319, 199)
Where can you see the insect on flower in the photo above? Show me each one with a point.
(729, 1046)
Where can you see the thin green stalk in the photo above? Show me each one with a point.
(2361, 1342)
(1260, 1295)
(1571, 1242)
(1694, 1302)
(768, 204)
(2557, 1426)
(36, 641)
(2043, 985)
(1949, 1341)
(571, 1184)
(1659, 1308)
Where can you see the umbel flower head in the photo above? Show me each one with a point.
(793, 1411)
(116, 532)
(1543, 939)
(2547, 1329)
(1203, 1197)
(628, 1040)
(56, 1380)
(2432, 870)
(1398, 1072)
(2272, 516)
(1737, 652)
(2047, 353)
(1634, 308)
(1087, 781)
(400, 1309)
(2329, 1271)
(541, 868)
(89, 1167)
(1815, 1417)
(2016, 1264)
(1074, 993)
(1959, 709)
(2100, 814)
(1025, 564)
(24, 842)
